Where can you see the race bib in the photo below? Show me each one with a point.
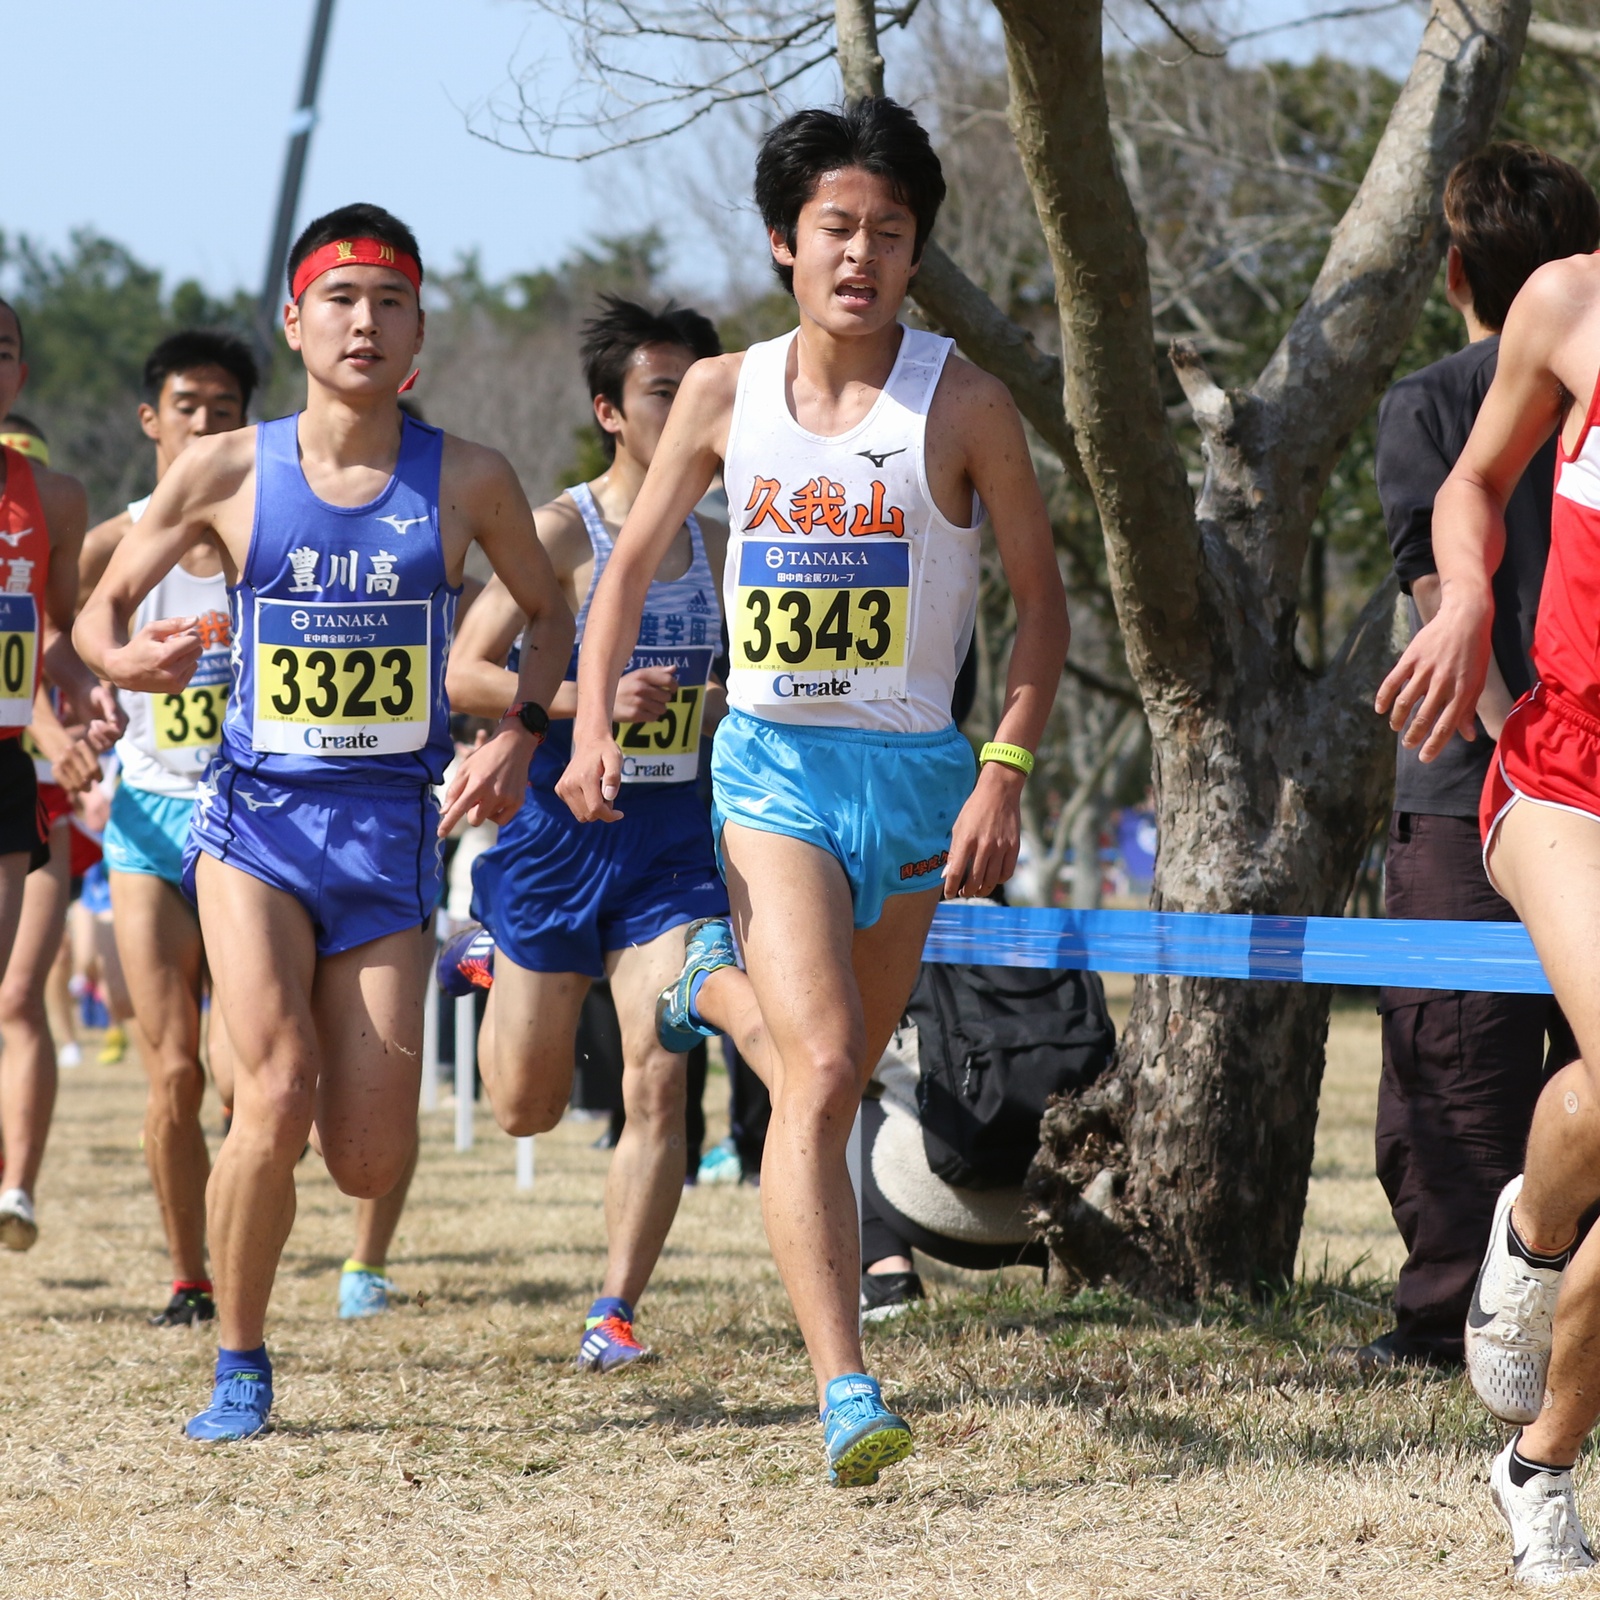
(192, 720)
(822, 621)
(341, 680)
(19, 654)
(668, 749)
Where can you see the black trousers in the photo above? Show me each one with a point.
(1461, 1073)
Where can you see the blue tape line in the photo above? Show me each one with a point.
(1495, 957)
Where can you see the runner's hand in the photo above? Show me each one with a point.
(1435, 686)
(160, 658)
(76, 767)
(642, 695)
(593, 780)
(103, 717)
(987, 834)
(491, 780)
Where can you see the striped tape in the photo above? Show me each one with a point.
(1370, 952)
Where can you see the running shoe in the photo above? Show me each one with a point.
(720, 1164)
(69, 1055)
(885, 1295)
(18, 1229)
(608, 1340)
(1547, 1538)
(240, 1404)
(114, 1046)
(862, 1434)
(1509, 1322)
(363, 1293)
(708, 945)
(185, 1309)
(466, 962)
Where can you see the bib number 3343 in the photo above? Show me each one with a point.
(341, 680)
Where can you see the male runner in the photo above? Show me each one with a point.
(856, 452)
(565, 905)
(42, 518)
(313, 850)
(1533, 1327)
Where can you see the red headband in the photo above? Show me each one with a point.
(354, 253)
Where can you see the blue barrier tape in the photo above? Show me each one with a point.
(1375, 953)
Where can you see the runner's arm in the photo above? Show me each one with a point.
(681, 471)
(988, 832)
(477, 678)
(73, 763)
(99, 545)
(1439, 679)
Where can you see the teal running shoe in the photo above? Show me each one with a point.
(862, 1434)
(362, 1292)
(720, 1164)
(708, 945)
(240, 1404)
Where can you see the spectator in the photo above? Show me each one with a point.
(1461, 1072)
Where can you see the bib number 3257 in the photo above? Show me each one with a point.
(342, 680)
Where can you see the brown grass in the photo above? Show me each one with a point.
(1087, 1448)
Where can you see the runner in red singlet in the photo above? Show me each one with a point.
(1533, 1328)
(42, 519)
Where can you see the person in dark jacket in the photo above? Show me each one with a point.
(1461, 1072)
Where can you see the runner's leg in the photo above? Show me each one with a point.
(526, 1045)
(1547, 861)
(831, 996)
(28, 1064)
(377, 1220)
(158, 940)
(13, 875)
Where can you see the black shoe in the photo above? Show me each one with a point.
(888, 1294)
(1393, 1349)
(184, 1309)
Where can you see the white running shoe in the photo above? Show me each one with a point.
(18, 1230)
(69, 1055)
(1508, 1323)
(1547, 1538)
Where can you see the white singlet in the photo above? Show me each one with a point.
(850, 597)
(171, 738)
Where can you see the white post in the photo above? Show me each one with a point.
(525, 1162)
(466, 1067)
(852, 1161)
(430, 1047)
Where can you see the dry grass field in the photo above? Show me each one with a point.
(1082, 1448)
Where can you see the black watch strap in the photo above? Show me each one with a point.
(532, 716)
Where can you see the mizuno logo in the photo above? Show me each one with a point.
(878, 460)
(258, 805)
(400, 524)
(14, 539)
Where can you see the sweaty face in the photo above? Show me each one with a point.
(852, 252)
(357, 329)
(649, 387)
(192, 404)
(12, 371)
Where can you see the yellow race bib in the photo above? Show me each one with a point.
(191, 720)
(19, 654)
(668, 749)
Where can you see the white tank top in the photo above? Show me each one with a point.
(681, 628)
(850, 597)
(171, 738)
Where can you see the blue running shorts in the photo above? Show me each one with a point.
(558, 894)
(882, 804)
(147, 833)
(364, 863)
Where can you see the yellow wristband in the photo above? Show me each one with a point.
(1010, 755)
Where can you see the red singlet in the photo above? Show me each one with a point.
(24, 569)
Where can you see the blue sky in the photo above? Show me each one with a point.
(162, 123)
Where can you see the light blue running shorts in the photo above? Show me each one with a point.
(147, 833)
(883, 804)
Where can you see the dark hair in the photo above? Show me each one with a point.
(15, 422)
(1510, 208)
(610, 339)
(199, 347)
(359, 221)
(6, 305)
(878, 135)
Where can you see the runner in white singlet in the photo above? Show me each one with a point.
(856, 453)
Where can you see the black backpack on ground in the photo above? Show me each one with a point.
(995, 1043)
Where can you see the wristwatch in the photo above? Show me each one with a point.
(531, 715)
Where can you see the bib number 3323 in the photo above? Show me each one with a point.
(342, 680)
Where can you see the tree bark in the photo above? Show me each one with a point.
(1184, 1171)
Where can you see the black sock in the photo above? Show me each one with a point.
(1556, 1262)
(1521, 1468)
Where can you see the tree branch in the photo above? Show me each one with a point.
(1564, 40)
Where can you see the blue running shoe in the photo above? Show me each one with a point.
(362, 1292)
(861, 1433)
(239, 1407)
(708, 945)
(467, 961)
(608, 1340)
